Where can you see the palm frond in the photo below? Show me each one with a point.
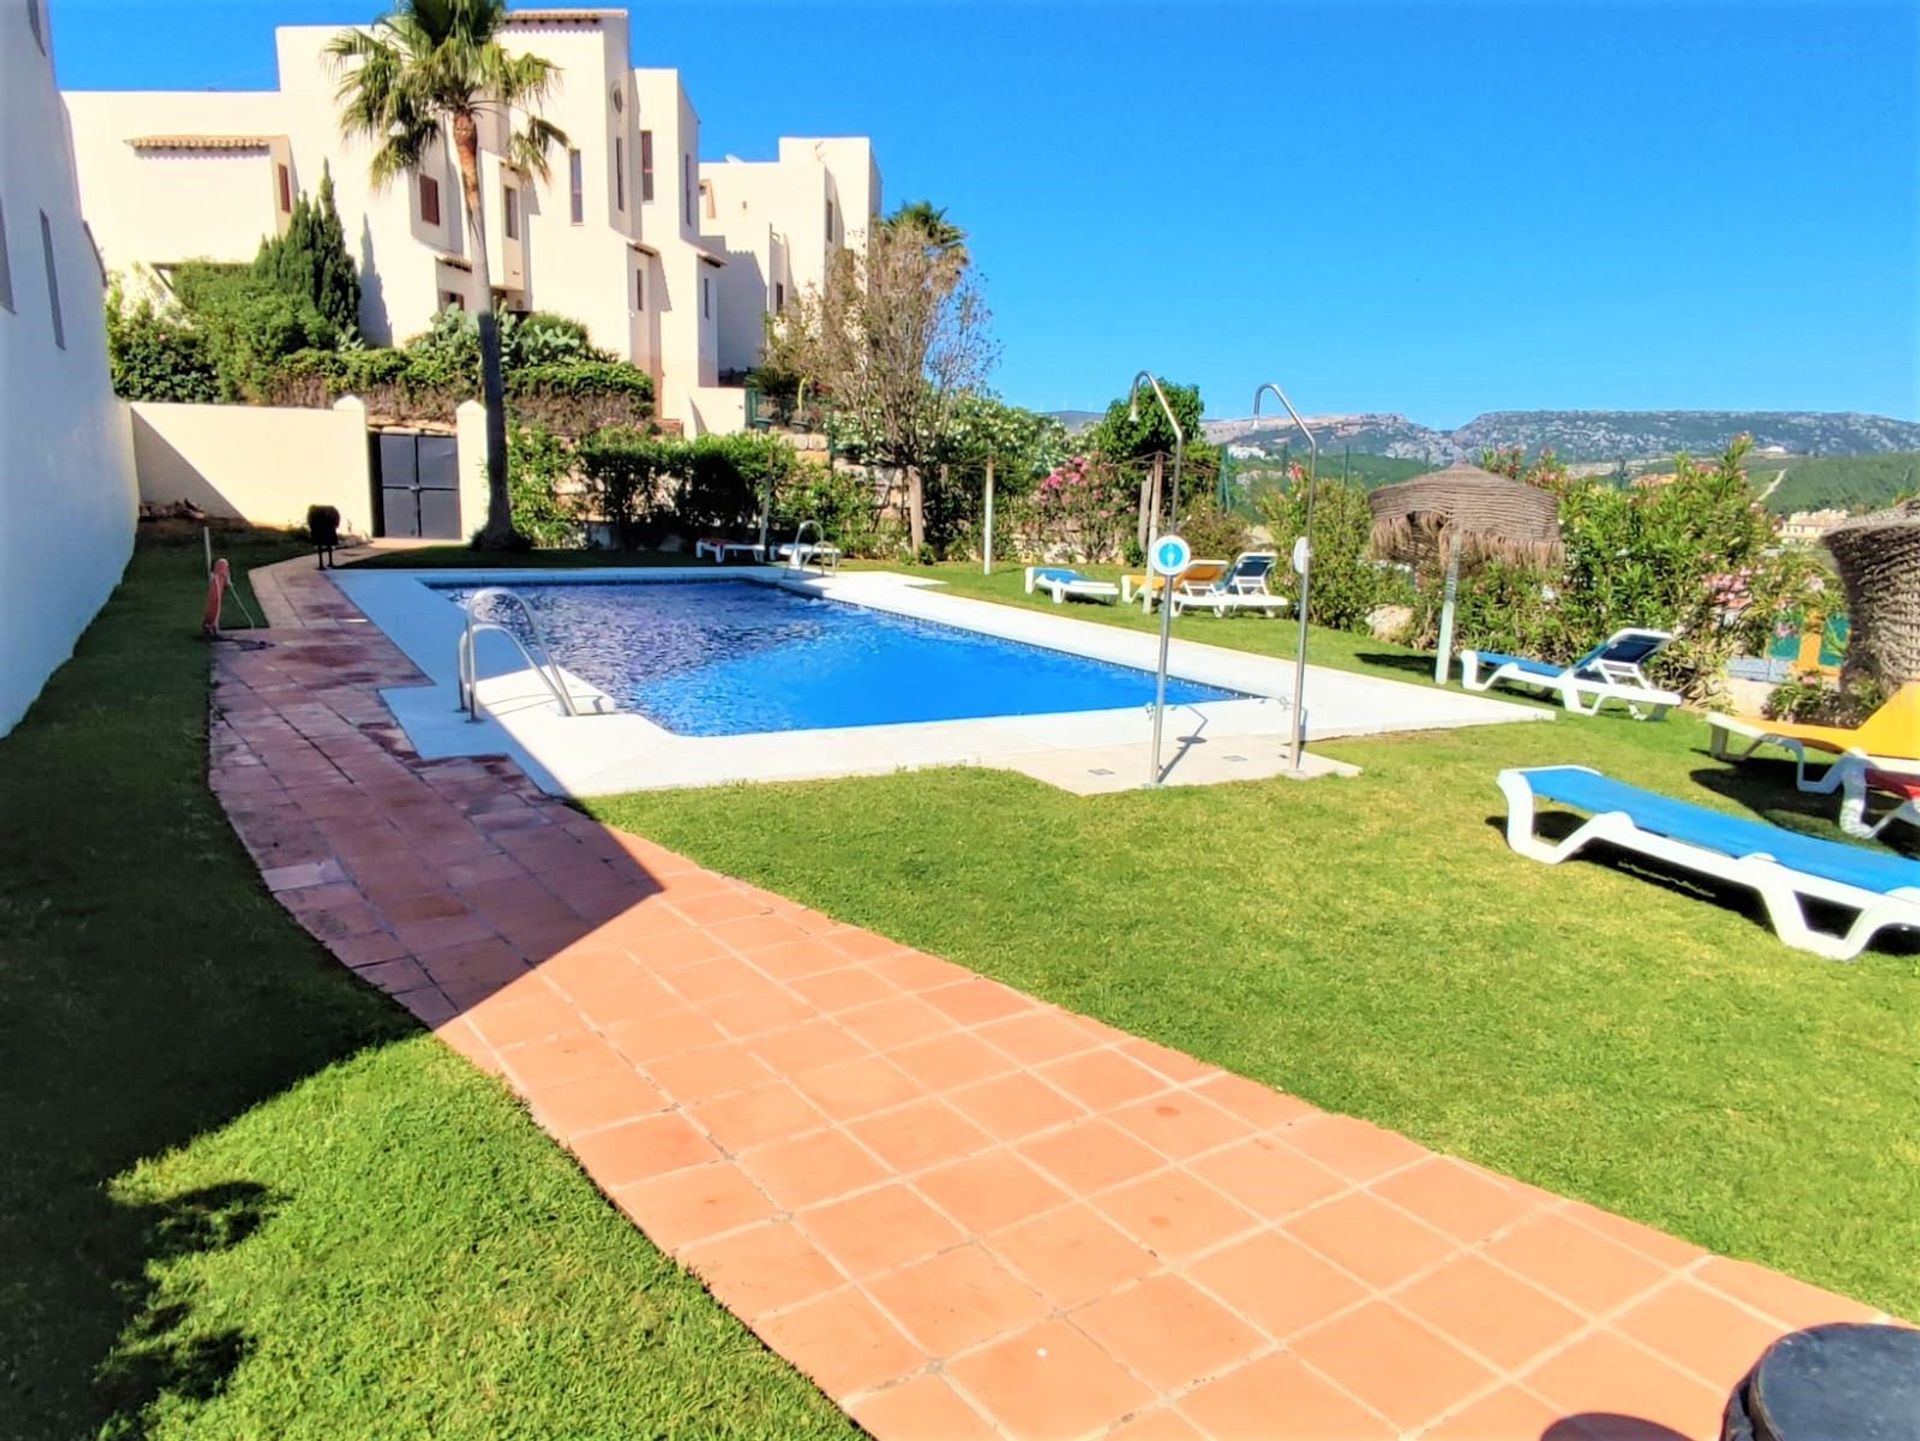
(528, 148)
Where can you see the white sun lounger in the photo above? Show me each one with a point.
(1063, 582)
(1785, 868)
(1611, 671)
(1243, 587)
(827, 557)
(1855, 774)
(724, 550)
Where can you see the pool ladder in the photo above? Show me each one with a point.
(820, 553)
(541, 663)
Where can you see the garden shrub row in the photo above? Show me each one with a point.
(228, 333)
(646, 489)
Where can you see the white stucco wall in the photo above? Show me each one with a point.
(773, 219)
(257, 463)
(66, 467)
(154, 206)
(688, 330)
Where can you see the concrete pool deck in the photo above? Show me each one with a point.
(609, 752)
(964, 1212)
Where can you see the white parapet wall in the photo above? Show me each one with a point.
(261, 464)
(66, 467)
(470, 431)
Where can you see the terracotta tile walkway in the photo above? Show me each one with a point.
(963, 1212)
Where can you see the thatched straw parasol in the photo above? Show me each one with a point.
(1879, 560)
(1460, 516)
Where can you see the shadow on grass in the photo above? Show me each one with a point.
(1767, 789)
(1555, 826)
(157, 1353)
(1412, 665)
(151, 993)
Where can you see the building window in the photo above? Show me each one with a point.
(286, 189)
(779, 296)
(452, 300)
(829, 222)
(686, 189)
(646, 165)
(53, 281)
(706, 298)
(620, 173)
(512, 210)
(706, 198)
(640, 288)
(37, 24)
(576, 177)
(429, 200)
(6, 264)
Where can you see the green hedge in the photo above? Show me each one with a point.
(646, 488)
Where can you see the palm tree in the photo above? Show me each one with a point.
(942, 236)
(434, 67)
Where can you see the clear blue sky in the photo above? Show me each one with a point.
(1437, 209)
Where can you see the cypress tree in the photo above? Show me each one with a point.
(336, 287)
(310, 261)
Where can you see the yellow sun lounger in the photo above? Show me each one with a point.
(1144, 588)
(1891, 733)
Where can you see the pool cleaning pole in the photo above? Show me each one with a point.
(1306, 570)
(1166, 581)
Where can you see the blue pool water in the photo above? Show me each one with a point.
(718, 658)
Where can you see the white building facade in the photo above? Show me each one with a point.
(779, 221)
(67, 488)
(612, 236)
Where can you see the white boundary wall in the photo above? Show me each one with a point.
(261, 464)
(66, 464)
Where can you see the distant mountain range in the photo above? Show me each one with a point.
(1578, 435)
(1077, 420)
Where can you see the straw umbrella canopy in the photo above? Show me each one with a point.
(1461, 516)
(1879, 560)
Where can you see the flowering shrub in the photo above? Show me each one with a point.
(1079, 507)
(1696, 557)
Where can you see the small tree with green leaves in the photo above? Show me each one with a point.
(434, 68)
(891, 344)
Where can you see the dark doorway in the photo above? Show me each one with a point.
(416, 479)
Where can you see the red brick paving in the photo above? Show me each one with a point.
(961, 1211)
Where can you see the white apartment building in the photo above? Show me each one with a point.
(67, 485)
(779, 220)
(612, 237)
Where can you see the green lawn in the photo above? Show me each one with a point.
(1264, 635)
(1373, 946)
(242, 1195)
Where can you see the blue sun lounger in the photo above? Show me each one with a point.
(1787, 869)
(1610, 671)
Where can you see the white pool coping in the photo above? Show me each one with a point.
(611, 751)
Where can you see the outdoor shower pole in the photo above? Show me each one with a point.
(1166, 581)
(986, 542)
(1306, 570)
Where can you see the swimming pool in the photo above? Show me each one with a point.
(728, 658)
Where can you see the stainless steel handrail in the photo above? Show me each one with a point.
(799, 555)
(469, 661)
